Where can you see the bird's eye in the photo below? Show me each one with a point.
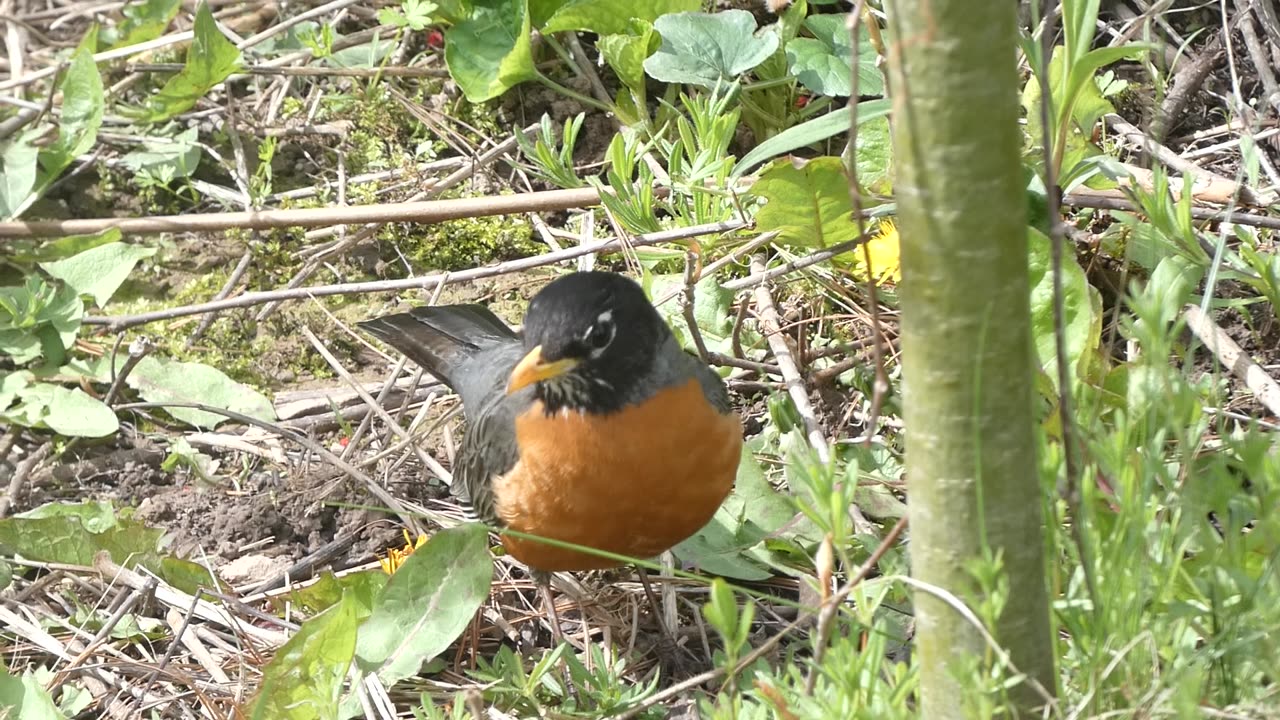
(601, 333)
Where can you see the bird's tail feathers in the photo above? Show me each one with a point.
(441, 338)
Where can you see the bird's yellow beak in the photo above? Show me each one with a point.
(532, 369)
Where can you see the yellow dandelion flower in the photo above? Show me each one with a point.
(396, 556)
(885, 263)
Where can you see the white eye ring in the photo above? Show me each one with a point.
(600, 335)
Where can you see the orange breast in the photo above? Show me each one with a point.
(635, 482)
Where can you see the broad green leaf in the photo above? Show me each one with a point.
(1082, 327)
(99, 271)
(489, 52)
(25, 697)
(824, 63)
(64, 538)
(808, 201)
(427, 603)
(173, 158)
(712, 310)
(708, 49)
(626, 53)
(17, 172)
(143, 21)
(608, 17)
(360, 587)
(95, 515)
(304, 680)
(731, 544)
(33, 251)
(69, 411)
(808, 133)
(38, 319)
(875, 156)
(211, 59)
(162, 380)
(10, 385)
(82, 108)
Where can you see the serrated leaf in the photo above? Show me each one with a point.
(808, 133)
(38, 320)
(143, 21)
(211, 59)
(162, 380)
(64, 538)
(607, 17)
(731, 543)
(304, 680)
(824, 63)
(99, 271)
(807, 201)
(489, 52)
(708, 49)
(427, 604)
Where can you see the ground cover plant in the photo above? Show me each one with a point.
(222, 500)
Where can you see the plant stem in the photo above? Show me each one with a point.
(584, 99)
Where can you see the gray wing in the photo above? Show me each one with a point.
(488, 448)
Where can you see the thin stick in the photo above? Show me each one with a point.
(770, 325)
(429, 211)
(1262, 385)
(425, 282)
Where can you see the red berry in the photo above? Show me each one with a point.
(802, 100)
(435, 39)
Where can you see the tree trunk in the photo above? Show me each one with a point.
(966, 344)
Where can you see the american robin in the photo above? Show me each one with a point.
(594, 428)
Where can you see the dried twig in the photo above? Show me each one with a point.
(425, 282)
(1232, 357)
(771, 327)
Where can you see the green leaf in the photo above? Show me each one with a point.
(427, 604)
(69, 411)
(10, 385)
(304, 680)
(808, 201)
(100, 271)
(38, 319)
(489, 52)
(33, 251)
(824, 63)
(95, 515)
(366, 55)
(165, 157)
(82, 109)
(361, 587)
(626, 53)
(143, 21)
(808, 133)
(1082, 326)
(712, 310)
(731, 544)
(162, 380)
(875, 156)
(25, 697)
(66, 537)
(211, 59)
(708, 49)
(607, 17)
(17, 172)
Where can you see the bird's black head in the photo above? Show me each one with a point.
(591, 339)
